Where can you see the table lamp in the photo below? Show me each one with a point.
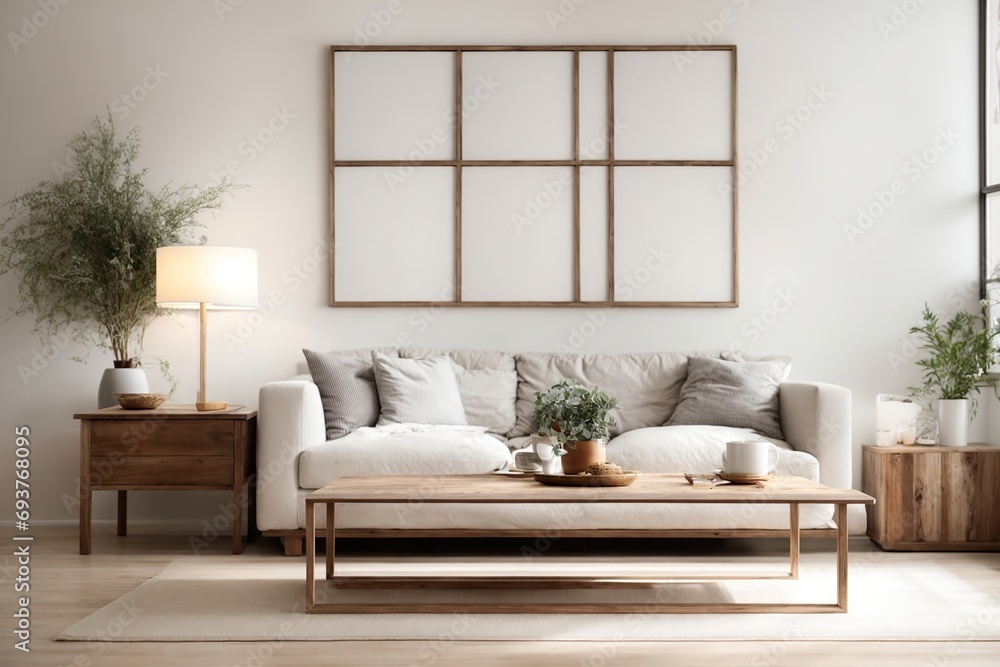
(206, 278)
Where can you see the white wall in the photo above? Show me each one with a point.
(879, 97)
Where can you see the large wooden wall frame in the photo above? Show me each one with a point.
(576, 163)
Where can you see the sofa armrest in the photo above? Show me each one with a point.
(816, 418)
(289, 421)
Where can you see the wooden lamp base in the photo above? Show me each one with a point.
(208, 406)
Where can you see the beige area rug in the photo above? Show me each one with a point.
(891, 598)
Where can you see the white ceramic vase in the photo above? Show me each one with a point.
(953, 422)
(120, 381)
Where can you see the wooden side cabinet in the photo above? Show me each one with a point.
(931, 498)
(173, 448)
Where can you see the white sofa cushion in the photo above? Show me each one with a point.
(403, 449)
(474, 360)
(488, 397)
(422, 391)
(648, 385)
(697, 449)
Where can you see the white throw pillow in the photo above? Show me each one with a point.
(488, 397)
(417, 391)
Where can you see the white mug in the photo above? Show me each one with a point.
(544, 448)
(749, 457)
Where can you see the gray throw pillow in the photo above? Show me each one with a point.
(732, 393)
(346, 384)
(419, 391)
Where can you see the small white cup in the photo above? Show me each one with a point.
(884, 438)
(749, 457)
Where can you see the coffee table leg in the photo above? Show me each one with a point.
(330, 545)
(310, 557)
(842, 556)
(793, 539)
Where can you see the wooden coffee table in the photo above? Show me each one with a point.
(649, 488)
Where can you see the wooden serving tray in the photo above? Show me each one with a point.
(624, 479)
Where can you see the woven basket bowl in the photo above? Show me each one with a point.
(140, 401)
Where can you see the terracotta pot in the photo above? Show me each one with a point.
(580, 454)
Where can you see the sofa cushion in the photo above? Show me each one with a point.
(421, 391)
(403, 450)
(346, 383)
(732, 393)
(648, 385)
(487, 382)
(697, 449)
(473, 360)
(488, 397)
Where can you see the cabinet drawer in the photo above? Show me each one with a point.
(162, 437)
(161, 470)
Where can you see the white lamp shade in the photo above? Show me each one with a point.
(221, 278)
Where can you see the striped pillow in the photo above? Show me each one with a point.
(741, 394)
(346, 384)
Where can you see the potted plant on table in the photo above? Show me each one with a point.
(578, 420)
(961, 351)
(84, 250)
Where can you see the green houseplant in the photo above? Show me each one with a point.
(578, 419)
(84, 246)
(960, 352)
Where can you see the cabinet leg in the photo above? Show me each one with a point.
(122, 513)
(252, 509)
(84, 521)
(238, 500)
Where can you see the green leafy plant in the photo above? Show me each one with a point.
(570, 412)
(84, 247)
(961, 352)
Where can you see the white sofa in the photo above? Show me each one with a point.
(294, 457)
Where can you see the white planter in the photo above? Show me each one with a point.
(120, 381)
(953, 422)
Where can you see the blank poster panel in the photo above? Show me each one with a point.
(517, 234)
(394, 106)
(674, 105)
(517, 106)
(594, 122)
(594, 234)
(394, 245)
(673, 234)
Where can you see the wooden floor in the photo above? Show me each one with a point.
(66, 587)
